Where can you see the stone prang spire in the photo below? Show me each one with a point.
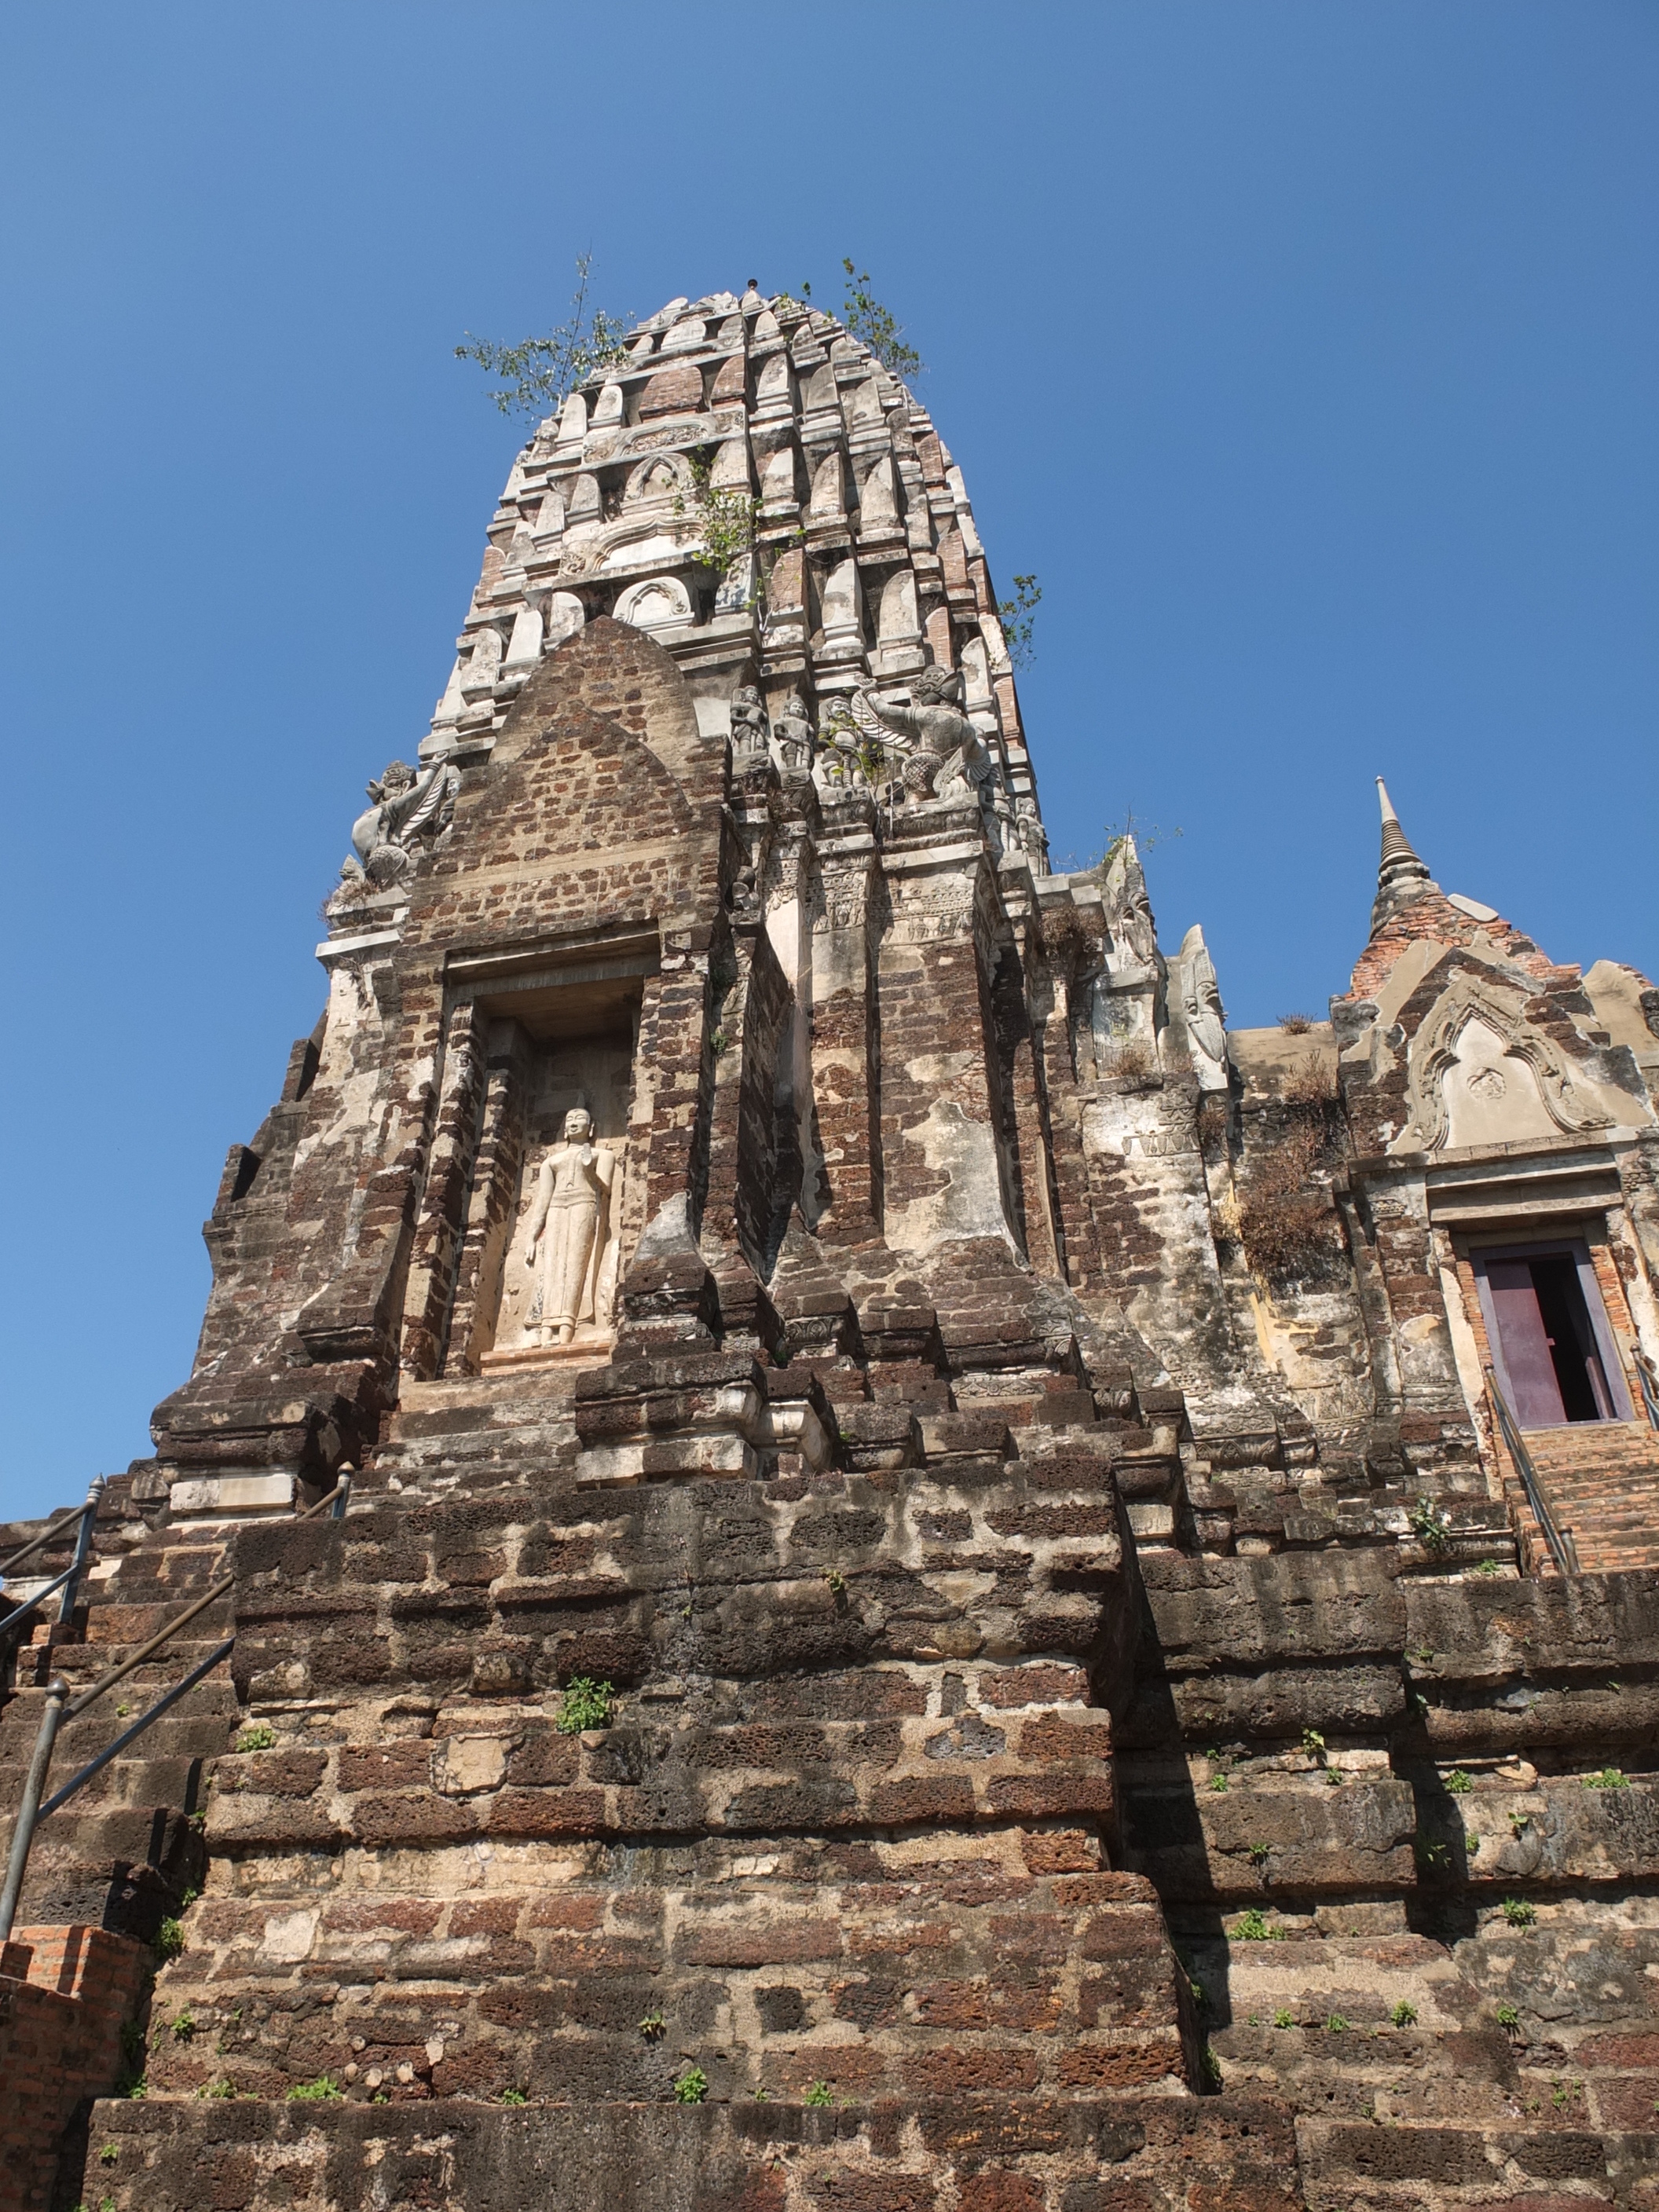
(913, 1494)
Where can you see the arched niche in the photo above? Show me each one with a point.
(654, 603)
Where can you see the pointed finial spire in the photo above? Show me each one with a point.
(1401, 875)
(1395, 845)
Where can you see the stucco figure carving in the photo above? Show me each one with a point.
(793, 732)
(1202, 1012)
(748, 725)
(411, 809)
(1129, 909)
(945, 757)
(569, 1231)
(1032, 836)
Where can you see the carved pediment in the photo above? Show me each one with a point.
(1481, 1074)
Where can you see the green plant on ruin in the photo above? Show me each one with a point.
(1488, 1567)
(1148, 837)
(1252, 1926)
(183, 2028)
(724, 519)
(538, 374)
(1459, 1782)
(1519, 1823)
(819, 2093)
(513, 2097)
(1520, 1911)
(691, 2087)
(138, 2089)
(1507, 2016)
(1430, 1524)
(876, 326)
(653, 2026)
(1018, 618)
(1607, 1778)
(1284, 2017)
(223, 2087)
(324, 2090)
(761, 2097)
(586, 1704)
(836, 1580)
(169, 1939)
(1430, 1853)
(1313, 1744)
(121, 1711)
(258, 1736)
(1259, 1854)
(110, 2154)
(1335, 2023)
(1404, 2014)
(1218, 1784)
(1471, 1843)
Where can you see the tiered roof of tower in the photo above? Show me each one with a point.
(865, 562)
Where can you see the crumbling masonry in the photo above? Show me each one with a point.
(1046, 1502)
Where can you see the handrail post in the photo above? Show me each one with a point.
(22, 1835)
(82, 1547)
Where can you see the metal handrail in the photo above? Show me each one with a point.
(58, 1709)
(55, 1529)
(29, 1605)
(1649, 1381)
(1563, 1550)
(69, 1581)
(127, 1735)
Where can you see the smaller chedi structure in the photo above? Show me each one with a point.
(963, 1590)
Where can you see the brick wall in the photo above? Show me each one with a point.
(64, 1993)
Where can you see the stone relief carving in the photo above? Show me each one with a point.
(1202, 1012)
(411, 811)
(1480, 1074)
(570, 1235)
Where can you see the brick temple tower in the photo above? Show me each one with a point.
(915, 1502)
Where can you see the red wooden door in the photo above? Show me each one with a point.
(1534, 1394)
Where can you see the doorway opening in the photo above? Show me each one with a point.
(1548, 1331)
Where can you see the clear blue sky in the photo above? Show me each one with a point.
(1304, 348)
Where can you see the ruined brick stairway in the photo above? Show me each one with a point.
(1602, 1479)
(128, 1846)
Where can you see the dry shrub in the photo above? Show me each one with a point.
(1066, 936)
(1134, 1065)
(1284, 1220)
(1296, 1024)
(1213, 1112)
(1312, 1084)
